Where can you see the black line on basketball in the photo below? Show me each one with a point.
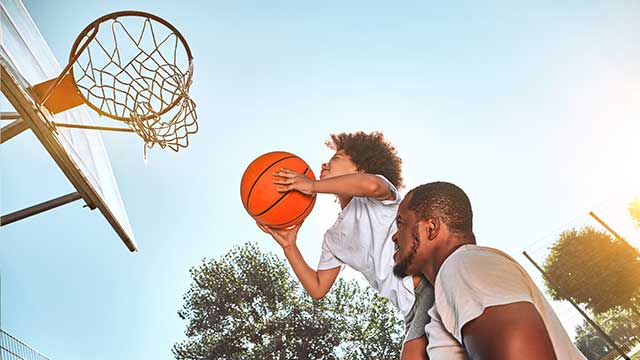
(259, 176)
(282, 197)
(302, 212)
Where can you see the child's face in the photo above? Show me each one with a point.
(339, 164)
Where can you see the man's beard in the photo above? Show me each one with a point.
(401, 268)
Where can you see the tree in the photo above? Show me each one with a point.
(590, 343)
(592, 268)
(247, 305)
(618, 323)
(634, 211)
(369, 325)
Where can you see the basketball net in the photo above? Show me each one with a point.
(138, 70)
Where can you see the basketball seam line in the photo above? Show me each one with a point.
(258, 178)
(282, 197)
(297, 217)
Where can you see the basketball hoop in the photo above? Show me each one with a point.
(133, 67)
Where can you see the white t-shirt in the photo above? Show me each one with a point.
(474, 278)
(361, 238)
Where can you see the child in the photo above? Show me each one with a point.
(364, 174)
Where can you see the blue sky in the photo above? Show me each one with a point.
(531, 108)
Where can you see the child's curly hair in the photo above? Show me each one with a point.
(371, 153)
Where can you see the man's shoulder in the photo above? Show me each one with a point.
(473, 261)
(471, 253)
(474, 278)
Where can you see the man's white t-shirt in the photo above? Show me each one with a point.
(474, 278)
(361, 238)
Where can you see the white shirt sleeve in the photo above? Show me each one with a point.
(441, 344)
(471, 281)
(327, 259)
(397, 198)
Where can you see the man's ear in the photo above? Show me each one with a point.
(429, 228)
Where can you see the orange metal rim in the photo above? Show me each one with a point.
(94, 26)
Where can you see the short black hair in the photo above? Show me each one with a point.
(445, 201)
(370, 152)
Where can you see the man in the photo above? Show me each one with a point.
(486, 305)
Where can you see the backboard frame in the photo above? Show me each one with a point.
(40, 121)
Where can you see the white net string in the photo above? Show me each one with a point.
(139, 79)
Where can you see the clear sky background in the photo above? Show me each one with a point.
(533, 109)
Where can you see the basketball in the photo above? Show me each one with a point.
(261, 199)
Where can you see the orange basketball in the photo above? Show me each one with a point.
(260, 197)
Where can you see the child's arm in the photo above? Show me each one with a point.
(317, 283)
(359, 184)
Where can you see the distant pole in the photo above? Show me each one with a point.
(593, 215)
(633, 307)
(584, 315)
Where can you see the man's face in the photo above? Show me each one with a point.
(406, 241)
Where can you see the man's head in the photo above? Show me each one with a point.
(432, 216)
(370, 153)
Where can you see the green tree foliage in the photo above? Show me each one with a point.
(369, 326)
(634, 211)
(247, 305)
(621, 325)
(594, 269)
(590, 343)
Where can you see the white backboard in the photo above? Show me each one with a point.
(27, 60)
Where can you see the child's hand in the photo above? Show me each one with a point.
(285, 237)
(292, 180)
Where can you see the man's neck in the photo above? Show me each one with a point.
(433, 265)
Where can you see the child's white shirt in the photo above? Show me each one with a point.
(361, 238)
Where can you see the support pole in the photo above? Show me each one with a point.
(584, 315)
(90, 127)
(37, 209)
(13, 129)
(634, 306)
(9, 115)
